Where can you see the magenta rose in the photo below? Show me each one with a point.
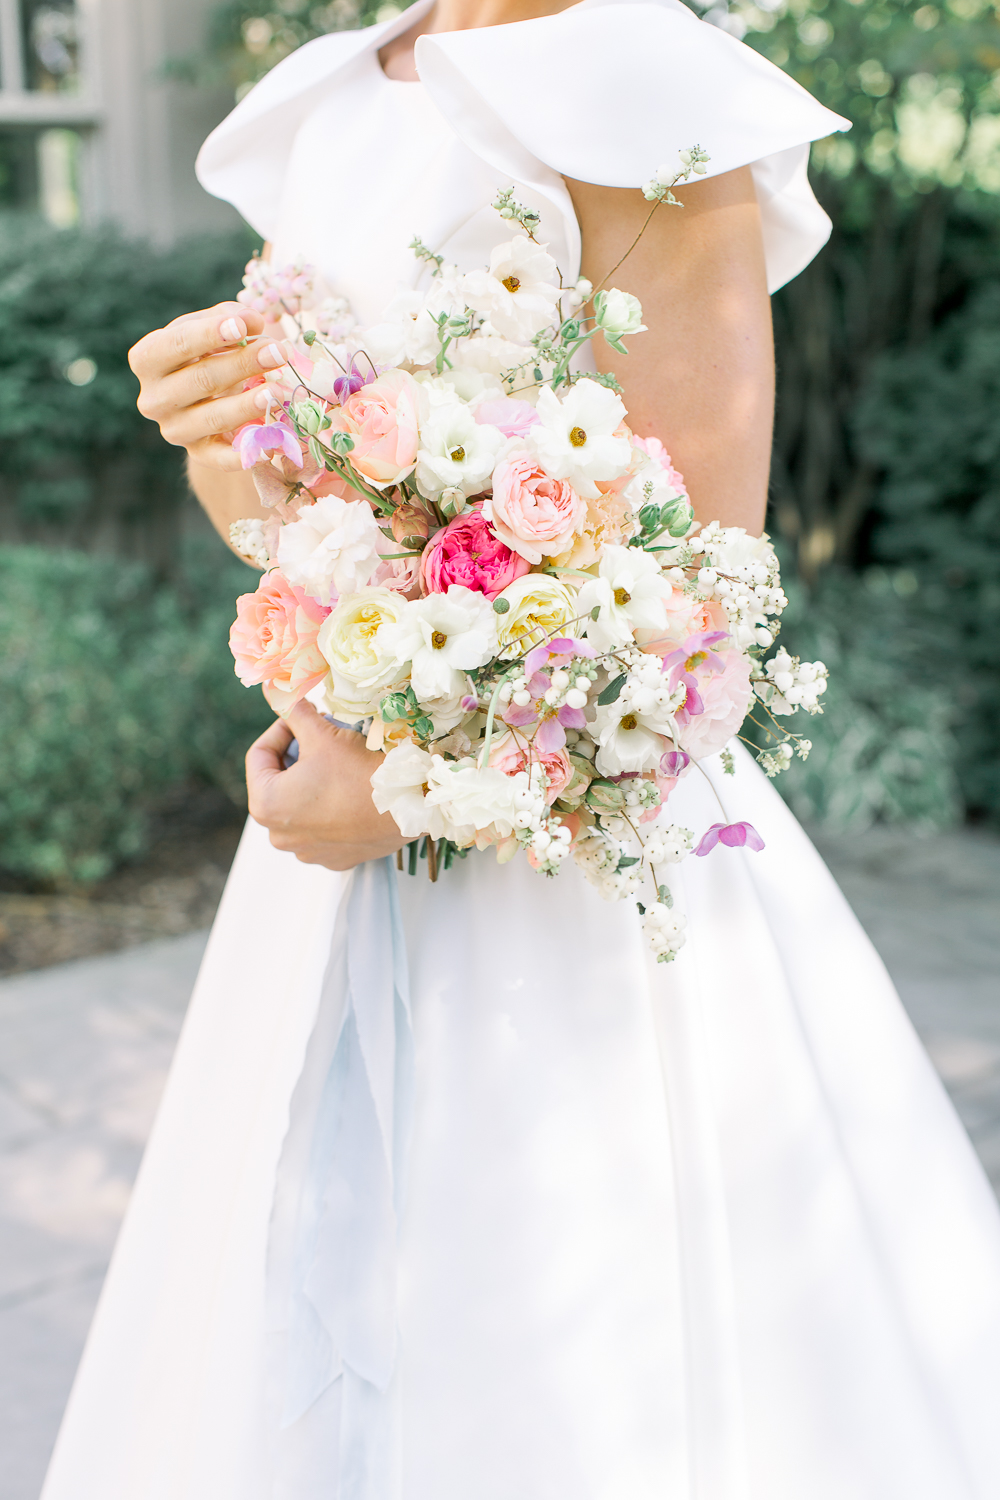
(466, 551)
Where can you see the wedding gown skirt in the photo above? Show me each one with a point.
(707, 1230)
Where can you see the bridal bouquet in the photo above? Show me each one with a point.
(469, 552)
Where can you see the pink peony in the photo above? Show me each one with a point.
(536, 516)
(382, 418)
(273, 639)
(510, 756)
(467, 552)
(725, 697)
(514, 418)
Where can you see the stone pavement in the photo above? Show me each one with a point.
(84, 1049)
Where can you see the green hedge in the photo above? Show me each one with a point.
(113, 689)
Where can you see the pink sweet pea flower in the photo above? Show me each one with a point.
(694, 656)
(466, 551)
(261, 439)
(273, 640)
(733, 835)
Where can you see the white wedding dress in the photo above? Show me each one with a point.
(503, 1210)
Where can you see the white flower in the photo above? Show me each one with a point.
(539, 607)
(352, 640)
(650, 483)
(331, 548)
(442, 636)
(408, 332)
(575, 438)
(629, 591)
(626, 739)
(618, 314)
(518, 294)
(400, 786)
(468, 796)
(456, 451)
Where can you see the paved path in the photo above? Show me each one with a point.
(84, 1049)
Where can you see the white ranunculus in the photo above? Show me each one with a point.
(519, 292)
(351, 639)
(618, 314)
(493, 355)
(629, 590)
(441, 637)
(333, 547)
(540, 607)
(456, 451)
(399, 787)
(626, 740)
(575, 438)
(472, 797)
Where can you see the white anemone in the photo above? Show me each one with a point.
(575, 437)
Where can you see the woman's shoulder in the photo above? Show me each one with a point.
(606, 92)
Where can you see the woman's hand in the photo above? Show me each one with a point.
(320, 809)
(191, 377)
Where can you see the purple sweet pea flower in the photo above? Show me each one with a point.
(681, 665)
(733, 835)
(352, 381)
(259, 442)
(674, 762)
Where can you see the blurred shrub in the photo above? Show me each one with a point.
(883, 748)
(113, 689)
(928, 420)
(79, 466)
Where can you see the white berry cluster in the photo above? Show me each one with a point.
(639, 795)
(797, 684)
(275, 290)
(668, 846)
(599, 858)
(247, 538)
(741, 571)
(645, 690)
(664, 931)
(566, 687)
(550, 845)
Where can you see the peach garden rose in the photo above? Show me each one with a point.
(274, 641)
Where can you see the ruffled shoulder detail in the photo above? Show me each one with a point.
(604, 92)
(648, 80)
(245, 158)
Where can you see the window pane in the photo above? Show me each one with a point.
(39, 174)
(51, 45)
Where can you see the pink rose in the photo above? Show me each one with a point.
(535, 515)
(274, 641)
(514, 418)
(467, 552)
(725, 699)
(687, 615)
(382, 418)
(510, 756)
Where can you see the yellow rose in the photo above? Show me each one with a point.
(349, 638)
(540, 607)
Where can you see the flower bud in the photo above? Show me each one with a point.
(604, 796)
(410, 525)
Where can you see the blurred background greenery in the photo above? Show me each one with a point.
(115, 600)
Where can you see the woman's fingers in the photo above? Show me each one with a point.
(208, 378)
(265, 762)
(210, 419)
(192, 337)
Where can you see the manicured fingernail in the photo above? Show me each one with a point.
(232, 330)
(262, 398)
(271, 356)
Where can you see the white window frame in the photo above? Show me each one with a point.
(22, 106)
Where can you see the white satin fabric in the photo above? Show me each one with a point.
(707, 1230)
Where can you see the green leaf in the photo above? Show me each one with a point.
(612, 691)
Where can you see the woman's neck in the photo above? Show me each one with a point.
(396, 57)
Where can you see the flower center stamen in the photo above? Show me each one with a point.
(577, 437)
(695, 660)
(512, 283)
(439, 640)
(622, 597)
(458, 455)
(629, 722)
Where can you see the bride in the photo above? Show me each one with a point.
(455, 1194)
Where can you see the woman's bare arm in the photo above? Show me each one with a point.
(702, 378)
